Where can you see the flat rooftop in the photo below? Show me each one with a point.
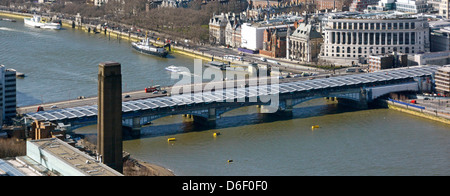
(385, 15)
(74, 157)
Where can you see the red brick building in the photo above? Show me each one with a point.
(274, 43)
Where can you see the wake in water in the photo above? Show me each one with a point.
(8, 29)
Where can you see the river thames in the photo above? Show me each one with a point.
(62, 65)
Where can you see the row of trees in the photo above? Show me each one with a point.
(187, 23)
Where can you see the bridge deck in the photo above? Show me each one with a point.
(223, 95)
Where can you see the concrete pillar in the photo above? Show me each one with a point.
(136, 124)
(289, 105)
(208, 122)
(266, 109)
(363, 99)
(212, 114)
(109, 121)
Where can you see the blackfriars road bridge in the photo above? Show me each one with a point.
(206, 107)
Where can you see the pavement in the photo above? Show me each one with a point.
(434, 104)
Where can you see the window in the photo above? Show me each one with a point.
(371, 39)
(389, 37)
(338, 38)
(395, 39)
(360, 38)
(366, 38)
(377, 38)
(413, 25)
(333, 37)
(406, 37)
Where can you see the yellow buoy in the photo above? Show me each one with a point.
(315, 126)
(171, 139)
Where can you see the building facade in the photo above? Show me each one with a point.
(443, 6)
(411, 6)
(233, 32)
(389, 61)
(329, 4)
(361, 5)
(221, 25)
(217, 26)
(304, 43)
(7, 94)
(433, 58)
(442, 81)
(252, 35)
(274, 43)
(347, 40)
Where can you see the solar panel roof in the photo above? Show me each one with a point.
(233, 93)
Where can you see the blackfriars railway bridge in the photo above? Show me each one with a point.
(206, 107)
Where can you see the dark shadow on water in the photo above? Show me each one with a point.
(246, 119)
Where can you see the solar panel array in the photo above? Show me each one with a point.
(239, 93)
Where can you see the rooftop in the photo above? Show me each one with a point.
(386, 15)
(74, 157)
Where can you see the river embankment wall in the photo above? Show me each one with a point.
(417, 111)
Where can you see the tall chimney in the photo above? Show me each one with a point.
(109, 122)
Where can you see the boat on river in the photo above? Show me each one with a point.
(145, 46)
(37, 22)
(173, 68)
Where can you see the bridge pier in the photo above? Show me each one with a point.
(284, 110)
(362, 103)
(136, 127)
(209, 122)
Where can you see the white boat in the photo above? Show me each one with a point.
(173, 68)
(37, 22)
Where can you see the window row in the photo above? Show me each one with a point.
(372, 38)
(374, 26)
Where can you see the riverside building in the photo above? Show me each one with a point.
(352, 38)
(7, 94)
(442, 78)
